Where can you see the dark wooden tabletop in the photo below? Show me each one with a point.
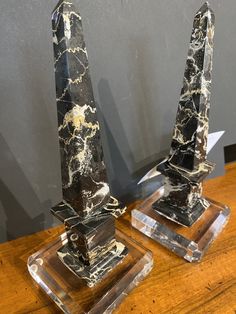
(173, 286)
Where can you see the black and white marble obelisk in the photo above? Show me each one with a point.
(87, 209)
(92, 266)
(186, 166)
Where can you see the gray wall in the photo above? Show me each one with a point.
(137, 51)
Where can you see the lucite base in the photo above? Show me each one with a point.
(188, 242)
(72, 295)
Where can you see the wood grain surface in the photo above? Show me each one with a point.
(173, 286)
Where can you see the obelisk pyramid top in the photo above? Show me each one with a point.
(63, 5)
(205, 10)
(189, 142)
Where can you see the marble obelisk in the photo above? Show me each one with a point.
(87, 208)
(186, 166)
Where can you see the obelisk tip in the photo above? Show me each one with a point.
(61, 4)
(205, 8)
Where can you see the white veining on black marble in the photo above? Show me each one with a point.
(87, 209)
(189, 142)
(84, 179)
(186, 166)
(92, 274)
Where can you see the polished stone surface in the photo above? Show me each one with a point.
(189, 142)
(91, 239)
(95, 272)
(84, 179)
(87, 209)
(186, 166)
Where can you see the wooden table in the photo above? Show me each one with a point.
(173, 286)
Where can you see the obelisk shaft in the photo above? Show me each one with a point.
(84, 179)
(189, 143)
(186, 165)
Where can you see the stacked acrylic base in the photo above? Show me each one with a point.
(187, 242)
(72, 295)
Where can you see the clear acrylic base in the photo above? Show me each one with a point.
(72, 295)
(188, 242)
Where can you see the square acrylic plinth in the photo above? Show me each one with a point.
(187, 242)
(72, 295)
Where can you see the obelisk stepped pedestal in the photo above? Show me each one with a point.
(92, 266)
(186, 165)
(178, 216)
(87, 205)
(91, 249)
(182, 200)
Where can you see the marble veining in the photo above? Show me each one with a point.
(93, 274)
(189, 142)
(84, 178)
(88, 210)
(186, 166)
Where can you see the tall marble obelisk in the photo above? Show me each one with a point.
(186, 165)
(87, 209)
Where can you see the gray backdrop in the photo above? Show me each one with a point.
(137, 51)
